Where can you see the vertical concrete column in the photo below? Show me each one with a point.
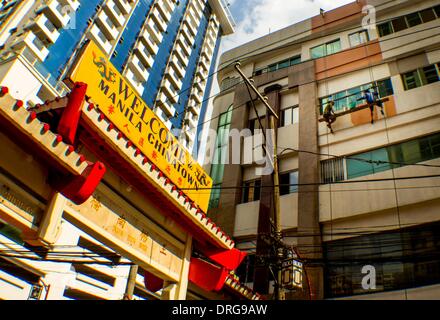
(266, 218)
(170, 291)
(309, 242)
(51, 222)
(183, 285)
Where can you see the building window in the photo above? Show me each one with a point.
(385, 29)
(251, 191)
(399, 24)
(427, 15)
(358, 38)
(254, 124)
(288, 183)
(326, 49)
(437, 11)
(402, 260)
(413, 19)
(408, 21)
(289, 116)
(348, 99)
(421, 77)
(333, 170)
(383, 159)
(356, 168)
(218, 163)
(279, 65)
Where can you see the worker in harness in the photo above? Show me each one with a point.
(372, 100)
(329, 114)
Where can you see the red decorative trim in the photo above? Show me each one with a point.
(70, 118)
(4, 91)
(152, 283)
(19, 104)
(80, 188)
(206, 275)
(70, 149)
(46, 127)
(32, 116)
(229, 259)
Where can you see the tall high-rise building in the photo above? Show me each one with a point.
(360, 200)
(165, 48)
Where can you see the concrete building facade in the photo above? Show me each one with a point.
(367, 194)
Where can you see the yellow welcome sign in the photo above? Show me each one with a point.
(118, 100)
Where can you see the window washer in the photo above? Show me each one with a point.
(379, 102)
(372, 100)
(329, 115)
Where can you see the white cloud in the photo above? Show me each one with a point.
(263, 16)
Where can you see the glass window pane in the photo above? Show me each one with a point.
(435, 146)
(246, 188)
(364, 36)
(385, 29)
(413, 19)
(287, 117)
(352, 96)
(380, 155)
(399, 24)
(340, 100)
(356, 168)
(334, 47)
(284, 184)
(293, 181)
(427, 15)
(385, 88)
(355, 39)
(257, 190)
(437, 11)
(412, 80)
(229, 118)
(273, 67)
(295, 60)
(295, 115)
(284, 64)
(318, 52)
(430, 75)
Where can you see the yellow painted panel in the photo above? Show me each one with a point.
(118, 100)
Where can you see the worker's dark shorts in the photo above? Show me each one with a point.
(329, 117)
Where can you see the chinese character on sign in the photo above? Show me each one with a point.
(111, 110)
(96, 205)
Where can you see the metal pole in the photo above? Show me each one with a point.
(131, 283)
(251, 85)
(276, 198)
(278, 228)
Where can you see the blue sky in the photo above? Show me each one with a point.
(255, 18)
